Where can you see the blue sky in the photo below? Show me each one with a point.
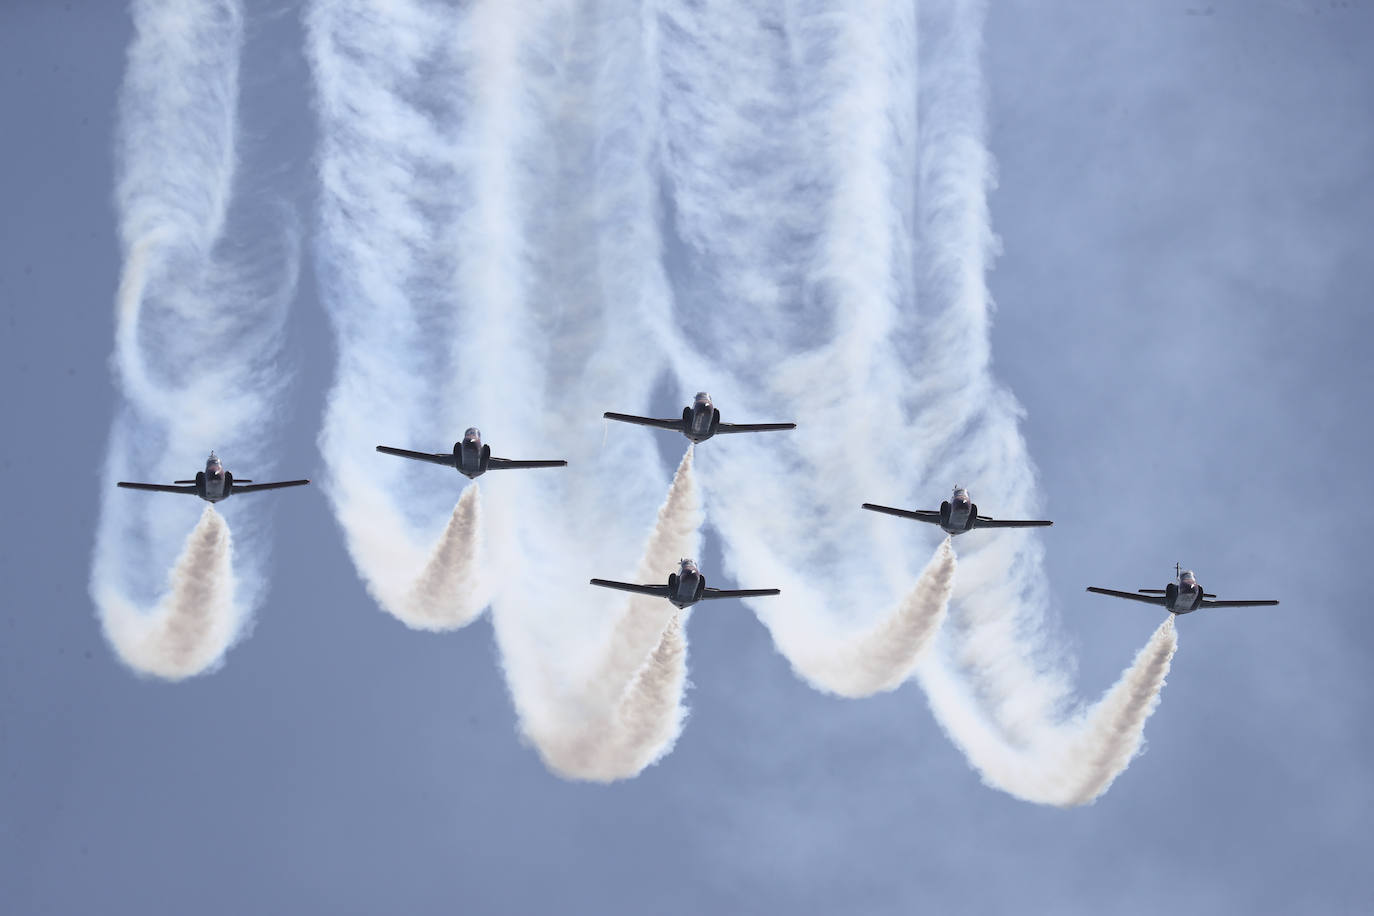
(1184, 204)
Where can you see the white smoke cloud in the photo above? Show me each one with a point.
(625, 711)
(491, 249)
(190, 629)
(1065, 763)
(199, 318)
(489, 256)
(880, 657)
(829, 174)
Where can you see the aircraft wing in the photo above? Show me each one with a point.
(505, 464)
(1206, 603)
(444, 458)
(674, 424)
(1134, 596)
(658, 591)
(983, 521)
(920, 515)
(737, 592)
(157, 487)
(249, 488)
(752, 427)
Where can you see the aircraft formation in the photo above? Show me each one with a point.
(699, 422)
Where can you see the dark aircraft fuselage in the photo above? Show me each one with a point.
(214, 483)
(472, 456)
(1183, 596)
(701, 420)
(687, 584)
(958, 512)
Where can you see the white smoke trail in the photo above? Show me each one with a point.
(651, 715)
(199, 318)
(388, 187)
(625, 711)
(192, 626)
(829, 176)
(446, 593)
(881, 657)
(1068, 763)
(488, 252)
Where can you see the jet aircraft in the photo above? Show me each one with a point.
(1181, 597)
(700, 421)
(470, 457)
(686, 587)
(212, 484)
(956, 515)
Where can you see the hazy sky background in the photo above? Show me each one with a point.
(1186, 203)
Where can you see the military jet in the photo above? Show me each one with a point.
(212, 484)
(956, 515)
(1181, 597)
(686, 587)
(470, 457)
(700, 421)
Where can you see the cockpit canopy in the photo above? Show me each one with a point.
(1186, 575)
(686, 563)
(703, 398)
(960, 493)
(472, 432)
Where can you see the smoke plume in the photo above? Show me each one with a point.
(627, 712)
(190, 629)
(199, 317)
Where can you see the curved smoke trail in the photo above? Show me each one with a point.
(488, 251)
(882, 656)
(829, 173)
(189, 629)
(1065, 763)
(626, 711)
(197, 333)
(491, 248)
